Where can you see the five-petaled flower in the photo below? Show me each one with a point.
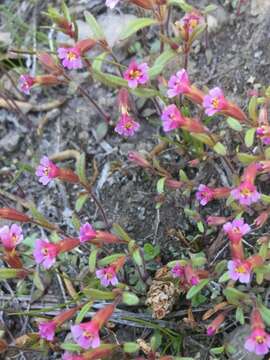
(136, 74)
(107, 276)
(45, 253)
(86, 335)
(258, 342)
(87, 233)
(47, 330)
(112, 3)
(236, 229)
(204, 194)
(239, 270)
(11, 236)
(25, 83)
(246, 193)
(46, 171)
(178, 84)
(214, 102)
(71, 57)
(126, 126)
(172, 118)
(178, 271)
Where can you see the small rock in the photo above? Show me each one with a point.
(10, 141)
(237, 339)
(258, 54)
(259, 7)
(217, 19)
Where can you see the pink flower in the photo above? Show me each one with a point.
(204, 194)
(263, 132)
(136, 74)
(71, 57)
(246, 193)
(112, 3)
(189, 22)
(47, 330)
(236, 229)
(214, 102)
(107, 276)
(11, 237)
(45, 253)
(86, 335)
(46, 170)
(70, 356)
(178, 84)
(25, 83)
(126, 126)
(239, 270)
(258, 342)
(172, 118)
(87, 233)
(178, 271)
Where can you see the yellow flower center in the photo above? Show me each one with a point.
(260, 339)
(134, 74)
(71, 56)
(46, 171)
(240, 269)
(215, 102)
(245, 192)
(193, 23)
(128, 125)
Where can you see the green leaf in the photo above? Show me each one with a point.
(161, 185)
(109, 259)
(195, 289)
(209, 8)
(204, 138)
(38, 282)
(196, 33)
(246, 158)
(120, 232)
(40, 218)
(234, 296)
(129, 298)
(234, 124)
(137, 258)
(239, 315)
(265, 198)
(156, 340)
(71, 347)
(182, 4)
(92, 261)
(9, 273)
(225, 277)
(198, 261)
(217, 350)
(95, 27)
(80, 168)
(135, 25)
(84, 310)
(249, 137)
(82, 198)
(130, 347)
(220, 149)
(97, 62)
(252, 108)
(200, 227)
(150, 251)
(65, 11)
(144, 92)
(99, 294)
(265, 312)
(75, 221)
(160, 62)
(267, 153)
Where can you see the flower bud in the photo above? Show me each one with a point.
(261, 219)
(68, 176)
(49, 63)
(216, 220)
(139, 160)
(214, 326)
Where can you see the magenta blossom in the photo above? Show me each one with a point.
(172, 118)
(25, 83)
(86, 335)
(258, 342)
(239, 270)
(46, 170)
(87, 233)
(107, 276)
(136, 74)
(71, 57)
(204, 194)
(112, 3)
(11, 236)
(126, 126)
(45, 253)
(236, 229)
(47, 330)
(246, 193)
(178, 271)
(214, 102)
(178, 84)
(263, 132)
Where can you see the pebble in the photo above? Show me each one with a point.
(10, 141)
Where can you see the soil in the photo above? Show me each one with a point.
(236, 59)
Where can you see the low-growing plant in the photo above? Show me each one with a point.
(231, 286)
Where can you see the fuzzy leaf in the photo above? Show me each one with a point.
(182, 4)
(80, 168)
(220, 149)
(129, 298)
(130, 347)
(252, 108)
(161, 62)
(249, 137)
(161, 185)
(265, 198)
(195, 289)
(234, 124)
(118, 230)
(136, 25)
(84, 310)
(92, 261)
(225, 277)
(210, 8)
(239, 315)
(82, 198)
(204, 138)
(9, 273)
(70, 347)
(265, 312)
(234, 296)
(109, 259)
(246, 158)
(99, 294)
(95, 27)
